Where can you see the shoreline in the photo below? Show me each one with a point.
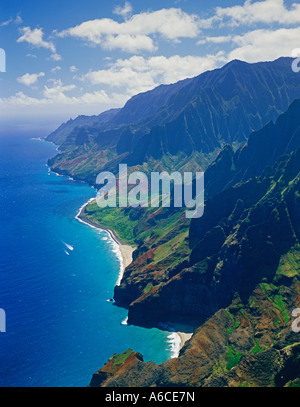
(184, 337)
(126, 251)
(177, 337)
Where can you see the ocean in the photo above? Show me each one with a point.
(56, 277)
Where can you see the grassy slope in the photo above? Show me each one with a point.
(114, 219)
(161, 238)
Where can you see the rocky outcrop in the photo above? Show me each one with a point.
(248, 344)
(127, 367)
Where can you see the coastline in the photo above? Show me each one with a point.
(177, 337)
(126, 251)
(184, 337)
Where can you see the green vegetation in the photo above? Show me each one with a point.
(119, 360)
(256, 349)
(230, 316)
(115, 219)
(268, 289)
(232, 357)
(279, 303)
(178, 247)
(277, 300)
(243, 312)
(294, 383)
(245, 384)
(235, 326)
(148, 288)
(152, 228)
(289, 265)
(219, 367)
(163, 227)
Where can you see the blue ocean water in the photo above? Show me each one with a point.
(60, 327)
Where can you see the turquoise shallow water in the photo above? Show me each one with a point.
(56, 275)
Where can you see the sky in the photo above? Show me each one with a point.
(70, 57)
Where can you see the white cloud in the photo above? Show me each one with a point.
(57, 92)
(215, 40)
(6, 23)
(266, 11)
(120, 79)
(56, 97)
(128, 76)
(30, 79)
(129, 43)
(139, 74)
(125, 11)
(19, 99)
(56, 57)
(35, 38)
(170, 24)
(265, 45)
(56, 69)
(17, 20)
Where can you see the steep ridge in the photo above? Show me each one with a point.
(60, 135)
(223, 215)
(147, 104)
(261, 150)
(227, 104)
(183, 124)
(241, 283)
(240, 240)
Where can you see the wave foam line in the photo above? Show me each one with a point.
(116, 247)
(125, 322)
(174, 342)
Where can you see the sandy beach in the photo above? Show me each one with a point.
(183, 332)
(125, 250)
(184, 337)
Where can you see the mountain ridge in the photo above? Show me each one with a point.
(241, 283)
(235, 271)
(202, 115)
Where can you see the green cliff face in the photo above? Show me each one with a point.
(237, 242)
(240, 281)
(235, 271)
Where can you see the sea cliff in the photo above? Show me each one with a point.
(234, 273)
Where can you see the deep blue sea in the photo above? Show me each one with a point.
(60, 327)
